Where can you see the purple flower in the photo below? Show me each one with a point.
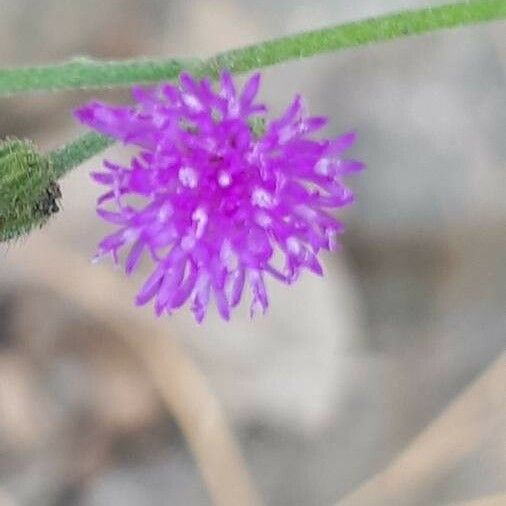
(215, 203)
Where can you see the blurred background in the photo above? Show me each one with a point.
(343, 373)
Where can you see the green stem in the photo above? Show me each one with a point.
(360, 33)
(303, 45)
(73, 154)
(86, 73)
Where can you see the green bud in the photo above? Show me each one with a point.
(29, 194)
(258, 127)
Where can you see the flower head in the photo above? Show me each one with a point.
(216, 197)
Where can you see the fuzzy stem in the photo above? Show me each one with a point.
(359, 33)
(256, 56)
(88, 73)
(74, 153)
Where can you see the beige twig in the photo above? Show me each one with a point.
(490, 500)
(477, 413)
(183, 387)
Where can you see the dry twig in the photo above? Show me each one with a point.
(180, 383)
(477, 413)
(489, 500)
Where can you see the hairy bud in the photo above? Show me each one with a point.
(29, 194)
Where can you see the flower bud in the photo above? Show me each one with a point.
(29, 194)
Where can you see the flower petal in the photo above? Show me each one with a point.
(151, 286)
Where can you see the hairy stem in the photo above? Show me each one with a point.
(268, 53)
(360, 33)
(74, 153)
(88, 73)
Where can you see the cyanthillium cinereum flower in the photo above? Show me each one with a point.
(215, 202)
